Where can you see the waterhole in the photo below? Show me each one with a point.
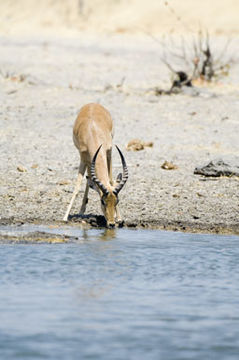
(68, 293)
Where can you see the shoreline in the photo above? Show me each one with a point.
(163, 225)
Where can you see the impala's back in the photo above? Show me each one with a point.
(93, 127)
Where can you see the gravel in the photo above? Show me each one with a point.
(43, 84)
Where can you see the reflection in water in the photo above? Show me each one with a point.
(108, 234)
(105, 235)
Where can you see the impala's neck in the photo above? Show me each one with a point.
(102, 170)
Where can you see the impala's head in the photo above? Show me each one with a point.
(109, 197)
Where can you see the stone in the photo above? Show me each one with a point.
(167, 165)
(219, 167)
(21, 168)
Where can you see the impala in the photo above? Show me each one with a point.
(92, 135)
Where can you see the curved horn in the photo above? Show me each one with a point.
(93, 174)
(125, 173)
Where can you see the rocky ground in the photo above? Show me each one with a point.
(43, 83)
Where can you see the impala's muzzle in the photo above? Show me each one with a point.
(111, 225)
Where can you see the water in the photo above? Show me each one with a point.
(120, 295)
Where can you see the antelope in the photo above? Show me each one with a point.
(92, 136)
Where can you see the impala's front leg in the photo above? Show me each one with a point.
(85, 199)
(109, 165)
(76, 190)
(118, 216)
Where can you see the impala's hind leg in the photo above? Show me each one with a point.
(76, 190)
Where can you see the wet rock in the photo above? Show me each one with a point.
(219, 167)
(36, 237)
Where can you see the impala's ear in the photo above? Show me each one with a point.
(92, 185)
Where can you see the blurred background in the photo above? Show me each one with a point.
(117, 16)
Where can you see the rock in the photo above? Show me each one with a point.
(34, 166)
(63, 182)
(137, 145)
(219, 167)
(21, 168)
(167, 165)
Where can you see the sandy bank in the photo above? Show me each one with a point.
(45, 82)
